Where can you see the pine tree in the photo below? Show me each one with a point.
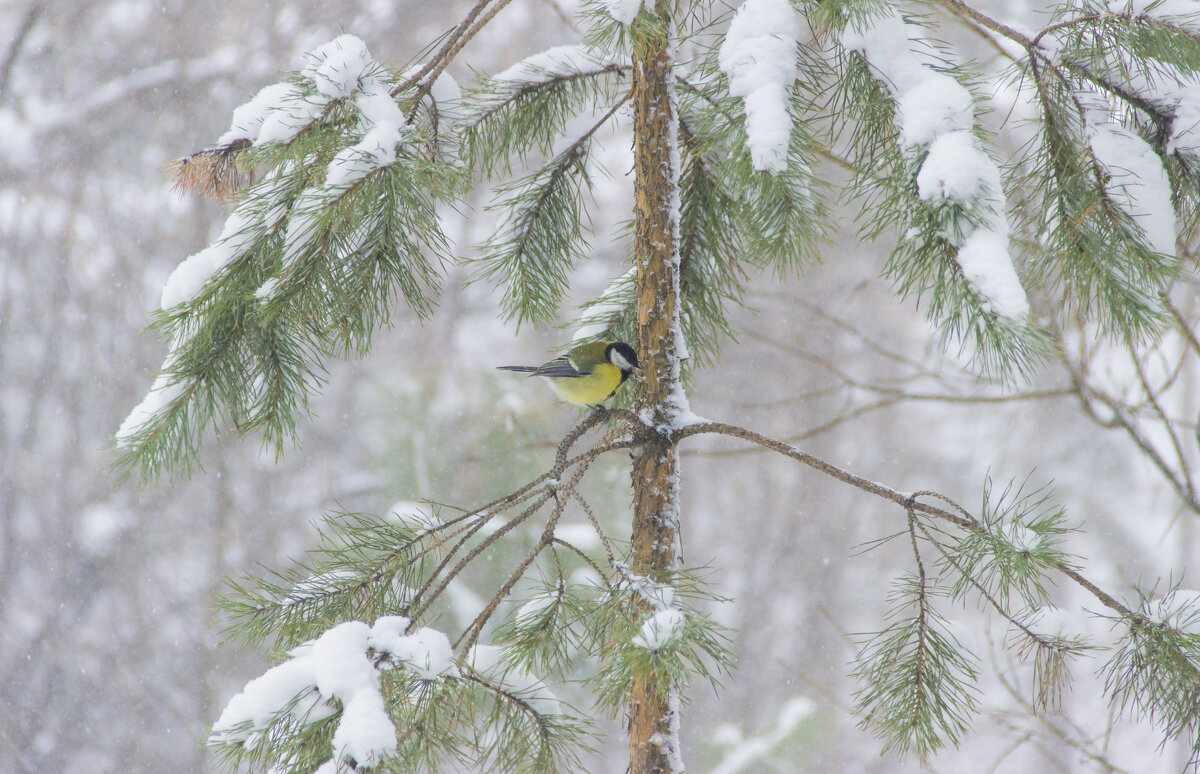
(336, 176)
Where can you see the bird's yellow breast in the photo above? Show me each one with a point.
(589, 389)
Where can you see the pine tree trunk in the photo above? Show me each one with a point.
(652, 722)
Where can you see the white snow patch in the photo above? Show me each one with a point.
(1185, 128)
(660, 596)
(1138, 183)
(340, 660)
(623, 11)
(285, 119)
(759, 57)
(425, 652)
(336, 67)
(266, 291)
(935, 106)
(985, 261)
(934, 111)
(1179, 609)
(894, 50)
(189, 277)
(287, 689)
(957, 169)
(1021, 537)
(248, 118)
(365, 732)
(557, 62)
(163, 392)
(660, 629)
(374, 151)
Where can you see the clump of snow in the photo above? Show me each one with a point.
(660, 629)
(248, 119)
(1137, 182)
(1185, 128)
(623, 11)
(375, 104)
(426, 653)
(444, 94)
(163, 392)
(1021, 537)
(336, 70)
(1179, 609)
(759, 57)
(374, 151)
(336, 67)
(302, 224)
(935, 113)
(365, 733)
(660, 596)
(935, 106)
(288, 689)
(678, 406)
(557, 62)
(386, 632)
(266, 291)
(894, 50)
(332, 667)
(240, 231)
(983, 258)
(341, 665)
(957, 169)
(287, 117)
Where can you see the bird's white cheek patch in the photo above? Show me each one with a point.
(621, 362)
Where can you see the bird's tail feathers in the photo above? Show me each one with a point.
(519, 369)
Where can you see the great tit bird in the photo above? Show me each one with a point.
(589, 374)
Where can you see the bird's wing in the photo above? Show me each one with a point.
(560, 367)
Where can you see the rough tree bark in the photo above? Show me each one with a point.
(652, 713)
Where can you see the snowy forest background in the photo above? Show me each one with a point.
(110, 654)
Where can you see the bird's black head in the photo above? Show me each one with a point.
(622, 356)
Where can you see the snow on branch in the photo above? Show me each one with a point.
(1136, 182)
(337, 667)
(934, 116)
(759, 57)
(623, 11)
(334, 70)
(558, 62)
